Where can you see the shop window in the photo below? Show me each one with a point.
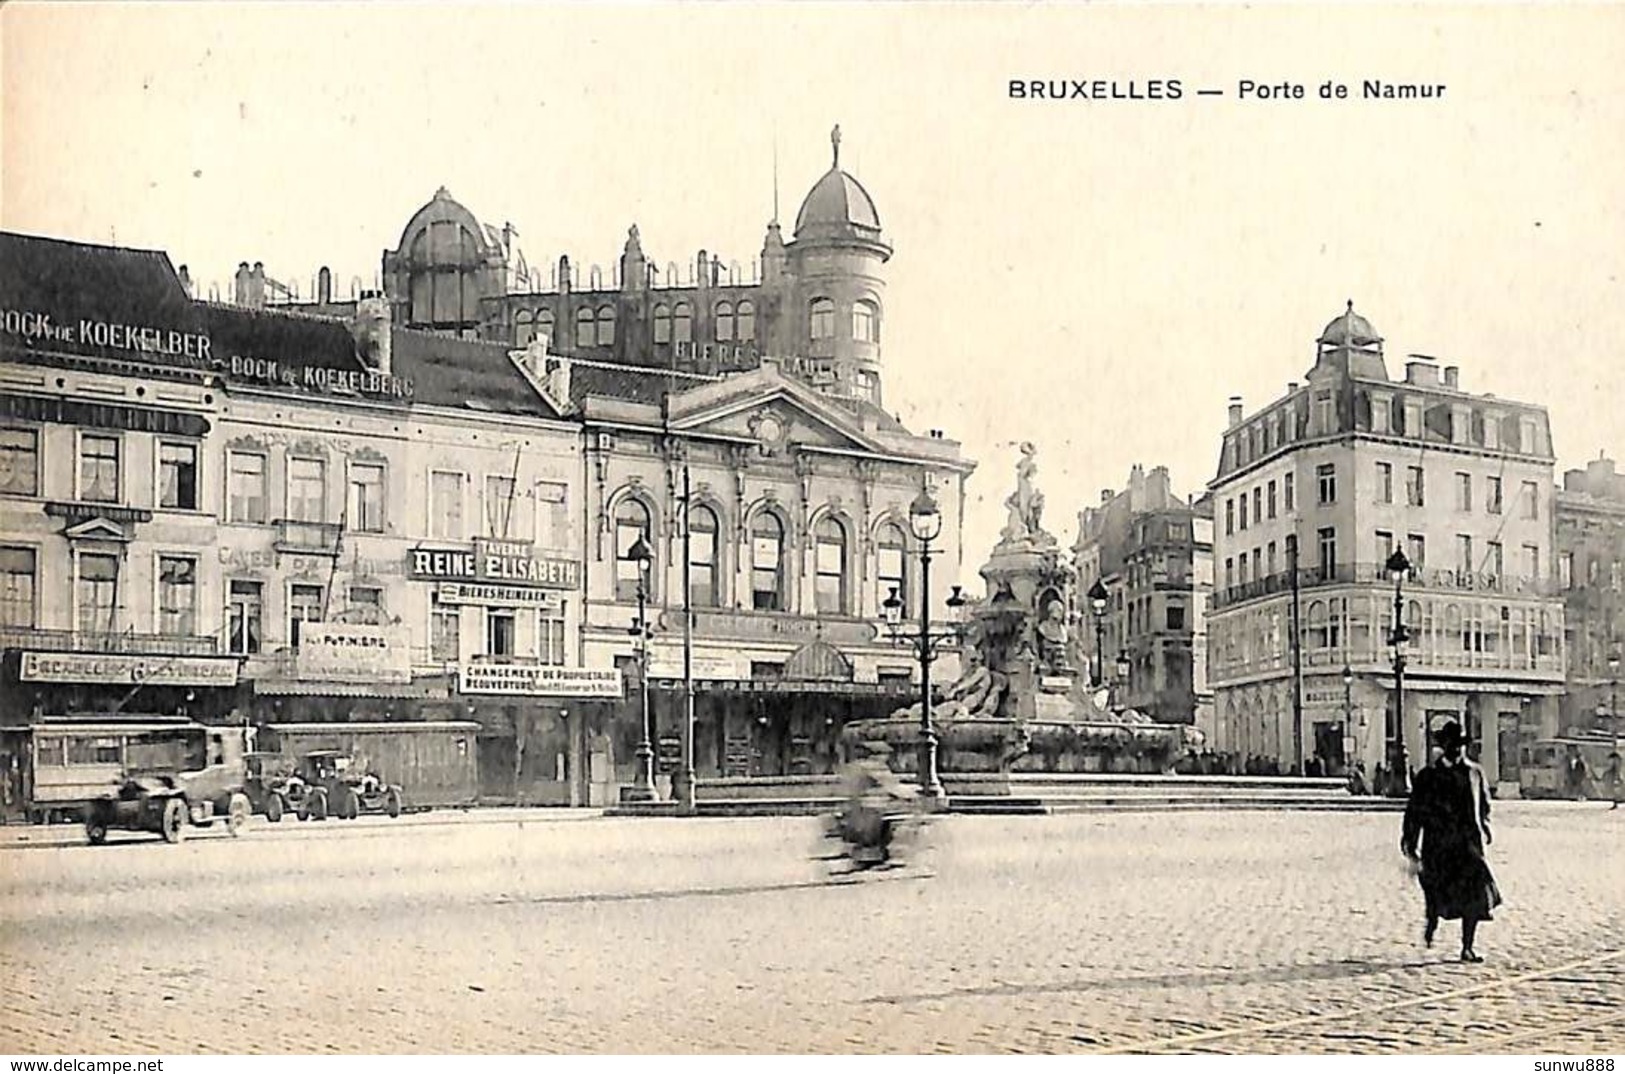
(18, 606)
(19, 462)
(177, 476)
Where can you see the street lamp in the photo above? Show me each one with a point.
(1097, 604)
(1122, 680)
(1399, 766)
(1348, 714)
(925, 520)
(643, 789)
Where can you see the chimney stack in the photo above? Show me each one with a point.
(1452, 375)
(372, 331)
(324, 286)
(1235, 411)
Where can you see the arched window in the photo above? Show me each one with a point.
(702, 556)
(767, 562)
(586, 331)
(524, 328)
(544, 324)
(631, 522)
(830, 567)
(682, 328)
(662, 324)
(1317, 625)
(745, 323)
(822, 319)
(891, 570)
(606, 326)
(725, 322)
(865, 322)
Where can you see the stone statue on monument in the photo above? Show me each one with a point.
(1026, 504)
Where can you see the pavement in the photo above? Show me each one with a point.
(536, 931)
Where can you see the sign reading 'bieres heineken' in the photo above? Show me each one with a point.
(507, 562)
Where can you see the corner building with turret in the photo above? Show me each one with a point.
(1314, 493)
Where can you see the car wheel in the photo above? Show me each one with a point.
(237, 814)
(318, 806)
(392, 802)
(174, 821)
(273, 808)
(96, 830)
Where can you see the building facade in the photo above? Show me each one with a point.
(1152, 551)
(1312, 495)
(1590, 524)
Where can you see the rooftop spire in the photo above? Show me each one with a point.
(835, 143)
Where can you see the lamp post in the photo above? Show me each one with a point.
(1097, 604)
(1118, 703)
(1348, 713)
(1613, 712)
(1399, 766)
(643, 788)
(926, 522)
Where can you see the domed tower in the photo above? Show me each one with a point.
(1350, 346)
(443, 270)
(838, 307)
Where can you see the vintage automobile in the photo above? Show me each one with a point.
(267, 782)
(166, 803)
(335, 785)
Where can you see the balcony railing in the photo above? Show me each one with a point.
(307, 538)
(94, 641)
(1422, 578)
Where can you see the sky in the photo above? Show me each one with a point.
(1096, 276)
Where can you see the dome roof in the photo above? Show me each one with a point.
(443, 208)
(838, 201)
(1350, 330)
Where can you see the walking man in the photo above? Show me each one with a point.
(1446, 829)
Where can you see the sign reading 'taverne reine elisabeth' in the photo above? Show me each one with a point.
(150, 670)
(506, 562)
(539, 680)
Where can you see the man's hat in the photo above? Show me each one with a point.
(1449, 735)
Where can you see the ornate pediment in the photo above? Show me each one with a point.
(97, 529)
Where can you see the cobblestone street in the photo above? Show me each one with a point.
(1225, 932)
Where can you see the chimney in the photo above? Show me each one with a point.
(1235, 411)
(372, 331)
(256, 286)
(241, 286)
(1291, 386)
(1421, 372)
(185, 278)
(556, 378)
(324, 286)
(1452, 376)
(1105, 496)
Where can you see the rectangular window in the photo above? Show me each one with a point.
(445, 632)
(307, 490)
(304, 606)
(1176, 617)
(890, 574)
(1492, 496)
(1385, 546)
(1531, 500)
(1385, 482)
(97, 593)
(1494, 561)
(177, 595)
(1326, 481)
(552, 498)
(764, 576)
(243, 616)
(1415, 486)
(1272, 499)
(1531, 562)
(702, 548)
(1464, 554)
(1229, 517)
(509, 513)
(19, 462)
(366, 596)
(177, 476)
(1270, 557)
(245, 487)
(1565, 570)
(1464, 492)
(17, 588)
(829, 586)
(1324, 414)
(550, 635)
(500, 632)
(1288, 496)
(98, 468)
(1416, 550)
(366, 505)
(1229, 573)
(1241, 520)
(1258, 564)
(1328, 552)
(1258, 505)
(446, 505)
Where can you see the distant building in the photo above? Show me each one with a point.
(1152, 551)
(1591, 572)
(1313, 494)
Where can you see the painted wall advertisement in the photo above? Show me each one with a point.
(539, 680)
(349, 652)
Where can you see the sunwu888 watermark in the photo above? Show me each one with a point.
(1580, 1066)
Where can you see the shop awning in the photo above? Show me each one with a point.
(791, 686)
(317, 688)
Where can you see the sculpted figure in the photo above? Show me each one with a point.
(1052, 634)
(1026, 504)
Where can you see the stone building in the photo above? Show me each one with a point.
(1590, 525)
(1152, 551)
(1313, 493)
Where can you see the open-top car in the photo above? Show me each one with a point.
(330, 783)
